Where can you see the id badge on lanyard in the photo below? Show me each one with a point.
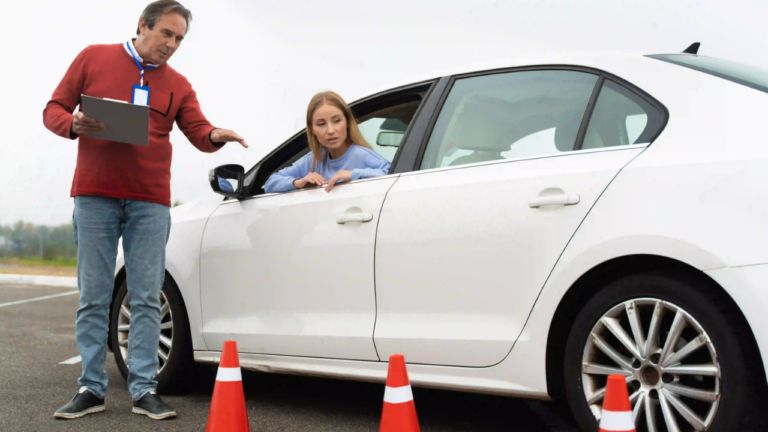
(140, 91)
(140, 95)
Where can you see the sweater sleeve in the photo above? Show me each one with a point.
(374, 166)
(57, 116)
(194, 125)
(282, 181)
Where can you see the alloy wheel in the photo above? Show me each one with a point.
(166, 331)
(668, 360)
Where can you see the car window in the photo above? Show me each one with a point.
(621, 117)
(383, 122)
(509, 115)
(385, 129)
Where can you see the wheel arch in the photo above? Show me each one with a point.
(120, 277)
(596, 278)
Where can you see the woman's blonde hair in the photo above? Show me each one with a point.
(353, 132)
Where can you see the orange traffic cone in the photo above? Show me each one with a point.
(228, 412)
(399, 413)
(617, 411)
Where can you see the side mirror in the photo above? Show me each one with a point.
(389, 139)
(222, 177)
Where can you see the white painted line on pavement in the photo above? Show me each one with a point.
(39, 298)
(73, 360)
(56, 281)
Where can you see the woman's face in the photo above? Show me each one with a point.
(330, 126)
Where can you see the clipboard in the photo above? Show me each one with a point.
(126, 123)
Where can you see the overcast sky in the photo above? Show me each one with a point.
(255, 64)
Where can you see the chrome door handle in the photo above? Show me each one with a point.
(354, 217)
(562, 199)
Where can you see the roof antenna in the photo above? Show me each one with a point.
(693, 49)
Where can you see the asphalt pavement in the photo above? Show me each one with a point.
(35, 337)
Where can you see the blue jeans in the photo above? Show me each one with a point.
(98, 225)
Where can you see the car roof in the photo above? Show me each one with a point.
(575, 58)
(592, 59)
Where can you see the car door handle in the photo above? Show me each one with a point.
(562, 199)
(354, 217)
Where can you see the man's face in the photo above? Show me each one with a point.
(162, 41)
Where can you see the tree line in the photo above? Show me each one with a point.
(27, 240)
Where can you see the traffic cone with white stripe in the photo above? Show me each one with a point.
(228, 412)
(399, 413)
(617, 410)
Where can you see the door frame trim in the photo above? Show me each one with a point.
(527, 158)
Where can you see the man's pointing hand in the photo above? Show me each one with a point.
(226, 135)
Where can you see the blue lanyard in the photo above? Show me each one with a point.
(138, 64)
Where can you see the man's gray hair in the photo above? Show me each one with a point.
(155, 10)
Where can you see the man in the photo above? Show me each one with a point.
(124, 190)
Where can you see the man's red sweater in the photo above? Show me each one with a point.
(117, 170)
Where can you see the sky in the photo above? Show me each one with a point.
(255, 64)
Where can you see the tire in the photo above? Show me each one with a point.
(174, 370)
(728, 402)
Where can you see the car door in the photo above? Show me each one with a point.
(282, 275)
(292, 273)
(467, 240)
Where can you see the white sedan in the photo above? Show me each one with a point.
(546, 222)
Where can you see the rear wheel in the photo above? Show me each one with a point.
(175, 348)
(684, 357)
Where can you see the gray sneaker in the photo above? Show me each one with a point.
(83, 403)
(153, 407)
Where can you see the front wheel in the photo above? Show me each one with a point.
(684, 357)
(175, 348)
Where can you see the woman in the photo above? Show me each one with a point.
(339, 151)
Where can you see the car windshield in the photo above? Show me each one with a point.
(750, 76)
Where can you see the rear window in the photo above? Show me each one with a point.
(750, 76)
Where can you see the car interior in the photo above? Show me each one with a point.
(489, 126)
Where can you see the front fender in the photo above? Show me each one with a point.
(182, 259)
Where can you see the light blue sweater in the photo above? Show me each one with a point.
(363, 162)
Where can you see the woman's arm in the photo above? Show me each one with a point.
(374, 166)
(282, 181)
